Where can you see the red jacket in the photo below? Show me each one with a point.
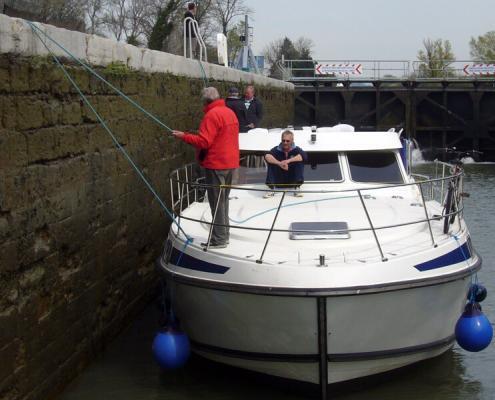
(218, 137)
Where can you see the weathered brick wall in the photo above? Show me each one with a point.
(78, 230)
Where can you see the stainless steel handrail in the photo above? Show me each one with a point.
(194, 26)
(195, 185)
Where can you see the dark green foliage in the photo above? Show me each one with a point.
(300, 50)
(163, 26)
(483, 47)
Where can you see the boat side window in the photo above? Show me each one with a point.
(322, 166)
(374, 166)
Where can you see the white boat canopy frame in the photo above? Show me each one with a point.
(326, 139)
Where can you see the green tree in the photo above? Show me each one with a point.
(163, 26)
(435, 59)
(483, 47)
(300, 50)
(234, 43)
(225, 11)
(67, 14)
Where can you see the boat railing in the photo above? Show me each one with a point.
(188, 186)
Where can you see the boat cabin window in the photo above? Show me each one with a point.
(374, 166)
(322, 166)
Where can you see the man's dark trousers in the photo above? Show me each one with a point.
(276, 175)
(218, 177)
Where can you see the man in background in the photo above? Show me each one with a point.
(218, 153)
(234, 102)
(191, 13)
(252, 113)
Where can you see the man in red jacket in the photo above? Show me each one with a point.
(218, 153)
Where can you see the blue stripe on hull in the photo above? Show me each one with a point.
(458, 255)
(185, 261)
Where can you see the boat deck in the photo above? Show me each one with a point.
(251, 218)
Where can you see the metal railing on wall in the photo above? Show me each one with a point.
(191, 26)
(368, 70)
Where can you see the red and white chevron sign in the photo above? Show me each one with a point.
(479, 69)
(338, 69)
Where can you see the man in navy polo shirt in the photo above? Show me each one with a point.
(285, 165)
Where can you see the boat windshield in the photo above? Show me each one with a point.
(320, 166)
(374, 167)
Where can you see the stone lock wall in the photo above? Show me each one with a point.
(78, 230)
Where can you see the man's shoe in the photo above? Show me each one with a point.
(267, 195)
(214, 245)
(298, 194)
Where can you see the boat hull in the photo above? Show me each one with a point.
(292, 336)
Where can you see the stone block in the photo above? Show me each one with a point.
(100, 50)
(15, 34)
(31, 249)
(52, 111)
(19, 77)
(134, 57)
(4, 77)
(8, 256)
(42, 145)
(71, 113)
(70, 233)
(29, 113)
(13, 149)
(74, 42)
(82, 78)
(46, 328)
(9, 354)
(8, 113)
(13, 194)
(8, 322)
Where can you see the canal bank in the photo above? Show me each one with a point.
(78, 229)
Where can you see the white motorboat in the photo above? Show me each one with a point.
(366, 273)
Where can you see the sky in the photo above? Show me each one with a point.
(371, 29)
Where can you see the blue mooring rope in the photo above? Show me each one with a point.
(35, 29)
(107, 129)
(288, 205)
(189, 240)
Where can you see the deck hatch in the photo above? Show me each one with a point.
(319, 230)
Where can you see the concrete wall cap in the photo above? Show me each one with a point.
(17, 37)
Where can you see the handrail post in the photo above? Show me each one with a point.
(172, 194)
(177, 175)
(371, 225)
(213, 220)
(187, 183)
(260, 260)
(185, 38)
(426, 215)
(180, 208)
(457, 203)
(443, 184)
